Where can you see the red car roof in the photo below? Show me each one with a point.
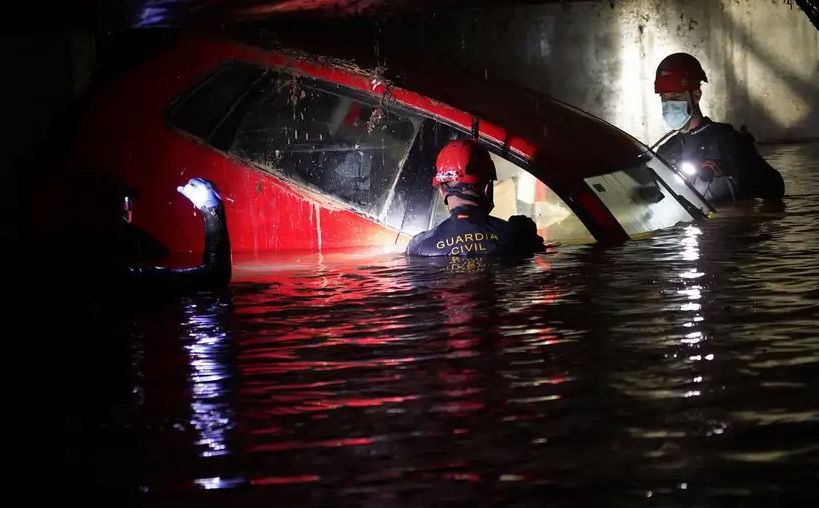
(563, 141)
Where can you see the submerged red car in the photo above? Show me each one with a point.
(313, 154)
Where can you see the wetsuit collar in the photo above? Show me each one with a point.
(704, 124)
(464, 211)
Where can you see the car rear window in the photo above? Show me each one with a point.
(200, 110)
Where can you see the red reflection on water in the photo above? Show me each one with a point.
(284, 480)
(371, 336)
(265, 388)
(462, 477)
(460, 407)
(297, 445)
(322, 405)
(319, 365)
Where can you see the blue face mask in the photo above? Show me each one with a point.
(676, 114)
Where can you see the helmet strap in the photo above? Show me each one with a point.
(484, 200)
(693, 110)
(458, 191)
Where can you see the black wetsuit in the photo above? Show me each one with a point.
(470, 231)
(213, 273)
(745, 174)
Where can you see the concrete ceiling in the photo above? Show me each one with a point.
(255, 9)
(171, 13)
(115, 14)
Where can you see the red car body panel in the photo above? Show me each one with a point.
(126, 136)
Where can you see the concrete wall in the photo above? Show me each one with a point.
(761, 57)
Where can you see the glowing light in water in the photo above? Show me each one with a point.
(692, 338)
(691, 251)
(693, 293)
(211, 416)
(218, 482)
(691, 274)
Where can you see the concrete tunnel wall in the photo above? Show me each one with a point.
(761, 57)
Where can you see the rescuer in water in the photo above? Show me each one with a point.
(464, 175)
(103, 246)
(215, 270)
(722, 164)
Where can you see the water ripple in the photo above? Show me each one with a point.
(682, 367)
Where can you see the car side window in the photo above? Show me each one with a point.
(200, 110)
(326, 137)
(644, 197)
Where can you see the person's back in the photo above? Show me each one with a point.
(470, 231)
(464, 174)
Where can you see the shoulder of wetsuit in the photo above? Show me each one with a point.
(496, 222)
(671, 144)
(723, 131)
(413, 248)
(525, 229)
(726, 136)
(742, 144)
(721, 126)
(731, 140)
(721, 142)
(767, 182)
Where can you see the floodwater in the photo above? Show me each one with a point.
(681, 370)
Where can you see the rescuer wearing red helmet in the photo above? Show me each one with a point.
(106, 256)
(722, 164)
(464, 173)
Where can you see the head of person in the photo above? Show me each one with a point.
(464, 173)
(82, 203)
(677, 81)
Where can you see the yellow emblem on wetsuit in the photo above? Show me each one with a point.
(466, 238)
(466, 243)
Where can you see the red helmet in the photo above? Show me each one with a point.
(463, 161)
(679, 72)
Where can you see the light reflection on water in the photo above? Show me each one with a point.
(682, 368)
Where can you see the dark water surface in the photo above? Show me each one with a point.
(682, 370)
